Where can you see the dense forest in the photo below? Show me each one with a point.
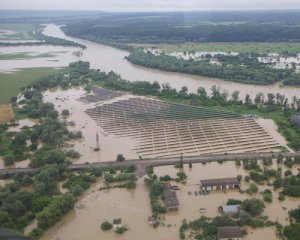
(241, 68)
(190, 27)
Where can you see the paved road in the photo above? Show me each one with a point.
(141, 164)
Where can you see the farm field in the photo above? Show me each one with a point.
(11, 83)
(6, 113)
(263, 48)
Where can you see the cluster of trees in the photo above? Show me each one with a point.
(292, 231)
(188, 27)
(155, 192)
(241, 68)
(78, 183)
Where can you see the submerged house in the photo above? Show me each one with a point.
(229, 233)
(170, 198)
(230, 210)
(117, 223)
(219, 184)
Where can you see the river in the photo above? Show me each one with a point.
(108, 59)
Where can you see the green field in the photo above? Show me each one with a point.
(21, 32)
(231, 47)
(11, 83)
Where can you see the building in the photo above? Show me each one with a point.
(117, 223)
(230, 210)
(229, 233)
(219, 184)
(170, 198)
(296, 119)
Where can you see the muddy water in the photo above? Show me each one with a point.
(60, 56)
(23, 123)
(107, 58)
(133, 207)
(110, 145)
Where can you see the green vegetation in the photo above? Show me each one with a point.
(182, 27)
(105, 226)
(11, 83)
(292, 231)
(240, 68)
(156, 191)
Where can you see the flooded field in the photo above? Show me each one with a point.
(110, 145)
(133, 207)
(36, 56)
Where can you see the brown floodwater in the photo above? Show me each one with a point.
(133, 207)
(108, 58)
(110, 145)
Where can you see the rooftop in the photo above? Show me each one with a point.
(218, 182)
(170, 198)
(229, 232)
(117, 221)
(231, 208)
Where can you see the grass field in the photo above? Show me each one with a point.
(11, 83)
(231, 47)
(6, 113)
(21, 31)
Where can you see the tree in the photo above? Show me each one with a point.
(235, 96)
(202, 92)
(9, 159)
(120, 158)
(253, 206)
(65, 112)
(105, 226)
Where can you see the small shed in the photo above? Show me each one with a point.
(229, 233)
(230, 210)
(117, 223)
(219, 184)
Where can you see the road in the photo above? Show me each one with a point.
(142, 164)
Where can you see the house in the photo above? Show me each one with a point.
(171, 201)
(229, 233)
(117, 223)
(170, 198)
(219, 184)
(296, 119)
(230, 210)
